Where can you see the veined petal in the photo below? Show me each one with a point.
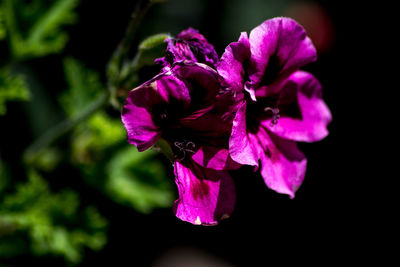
(283, 166)
(215, 158)
(150, 106)
(279, 47)
(231, 66)
(173, 91)
(241, 148)
(201, 81)
(311, 124)
(208, 125)
(205, 196)
(137, 117)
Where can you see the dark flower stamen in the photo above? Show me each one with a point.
(275, 115)
(185, 146)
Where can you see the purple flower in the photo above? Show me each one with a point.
(189, 45)
(277, 104)
(183, 106)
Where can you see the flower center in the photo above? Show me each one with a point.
(184, 147)
(275, 114)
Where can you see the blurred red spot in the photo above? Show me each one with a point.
(316, 21)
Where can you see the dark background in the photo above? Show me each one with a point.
(327, 219)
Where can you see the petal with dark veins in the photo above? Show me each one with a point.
(205, 196)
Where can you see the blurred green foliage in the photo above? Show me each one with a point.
(35, 27)
(84, 87)
(53, 222)
(91, 140)
(138, 180)
(2, 26)
(12, 87)
(47, 159)
(36, 217)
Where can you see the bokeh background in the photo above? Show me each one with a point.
(89, 199)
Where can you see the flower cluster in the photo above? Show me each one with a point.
(248, 107)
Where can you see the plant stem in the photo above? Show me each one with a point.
(115, 62)
(124, 46)
(63, 128)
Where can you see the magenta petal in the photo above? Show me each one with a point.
(137, 117)
(209, 127)
(215, 158)
(148, 105)
(311, 124)
(205, 196)
(283, 166)
(173, 91)
(241, 147)
(201, 81)
(278, 46)
(230, 67)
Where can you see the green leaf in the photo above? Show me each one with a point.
(51, 222)
(84, 87)
(151, 48)
(139, 179)
(35, 27)
(12, 87)
(2, 25)
(108, 131)
(122, 73)
(91, 140)
(153, 41)
(47, 159)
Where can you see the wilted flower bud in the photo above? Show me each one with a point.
(189, 45)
